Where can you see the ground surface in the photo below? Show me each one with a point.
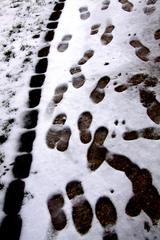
(90, 126)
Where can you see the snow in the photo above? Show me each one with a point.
(55, 169)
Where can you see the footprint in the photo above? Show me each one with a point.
(149, 10)
(84, 123)
(43, 52)
(126, 5)
(78, 81)
(151, 204)
(87, 55)
(157, 34)
(133, 207)
(59, 7)
(52, 25)
(110, 235)
(63, 143)
(97, 152)
(95, 29)
(150, 2)
(30, 119)
(26, 141)
(157, 59)
(22, 166)
(141, 179)
(107, 37)
(78, 78)
(154, 112)
(41, 66)
(147, 97)
(75, 69)
(58, 216)
(53, 135)
(37, 81)
(73, 189)
(58, 96)
(107, 215)
(106, 212)
(98, 94)
(149, 101)
(55, 15)
(82, 213)
(58, 136)
(121, 88)
(148, 200)
(146, 196)
(49, 36)
(59, 92)
(14, 198)
(142, 52)
(151, 133)
(136, 80)
(150, 81)
(63, 45)
(11, 227)
(84, 13)
(105, 4)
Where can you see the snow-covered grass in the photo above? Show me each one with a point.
(22, 28)
(55, 169)
(23, 24)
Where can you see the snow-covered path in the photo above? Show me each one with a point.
(95, 166)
